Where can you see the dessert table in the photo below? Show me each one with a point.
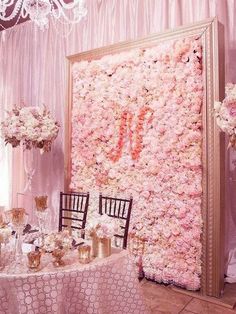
(104, 286)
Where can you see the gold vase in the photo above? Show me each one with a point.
(94, 250)
(104, 247)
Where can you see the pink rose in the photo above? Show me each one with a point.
(231, 104)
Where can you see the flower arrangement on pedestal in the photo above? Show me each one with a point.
(225, 113)
(31, 126)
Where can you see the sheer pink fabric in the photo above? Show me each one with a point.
(33, 69)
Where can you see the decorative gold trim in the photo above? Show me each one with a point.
(213, 143)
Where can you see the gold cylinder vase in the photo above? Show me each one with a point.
(94, 248)
(104, 247)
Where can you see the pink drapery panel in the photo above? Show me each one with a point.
(33, 69)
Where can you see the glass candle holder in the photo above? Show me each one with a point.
(41, 203)
(34, 259)
(84, 254)
(18, 216)
(57, 255)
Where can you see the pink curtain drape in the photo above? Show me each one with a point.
(34, 69)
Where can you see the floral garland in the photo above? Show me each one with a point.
(157, 159)
(126, 123)
(31, 126)
(225, 113)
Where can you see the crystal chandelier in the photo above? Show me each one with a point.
(39, 11)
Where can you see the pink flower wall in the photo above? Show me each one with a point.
(136, 129)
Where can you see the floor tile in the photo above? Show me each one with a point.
(162, 299)
(203, 307)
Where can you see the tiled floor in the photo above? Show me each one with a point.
(163, 299)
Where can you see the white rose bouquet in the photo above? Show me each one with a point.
(58, 240)
(103, 226)
(31, 126)
(5, 233)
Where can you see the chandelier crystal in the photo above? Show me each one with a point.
(39, 11)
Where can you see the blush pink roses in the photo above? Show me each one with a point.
(225, 113)
(136, 129)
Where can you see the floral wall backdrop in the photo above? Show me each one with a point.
(136, 130)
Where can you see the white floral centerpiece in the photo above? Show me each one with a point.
(31, 126)
(225, 113)
(102, 228)
(5, 233)
(57, 240)
(102, 225)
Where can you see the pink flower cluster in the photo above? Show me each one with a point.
(225, 113)
(31, 126)
(102, 225)
(156, 155)
(57, 240)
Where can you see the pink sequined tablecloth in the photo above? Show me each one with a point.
(104, 286)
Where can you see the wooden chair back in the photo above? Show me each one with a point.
(118, 208)
(73, 210)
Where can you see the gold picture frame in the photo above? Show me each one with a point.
(213, 153)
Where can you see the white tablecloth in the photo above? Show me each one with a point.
(104, 286)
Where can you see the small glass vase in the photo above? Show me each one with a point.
(57, 255)
(34, 260)
(19, 219)
(84, 254)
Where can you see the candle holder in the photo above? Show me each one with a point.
(41, 203)
(19, 219)
(34, 260)
(84, 254)
(58, 254)
(41, 213)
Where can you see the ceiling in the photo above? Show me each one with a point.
(9, 24)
